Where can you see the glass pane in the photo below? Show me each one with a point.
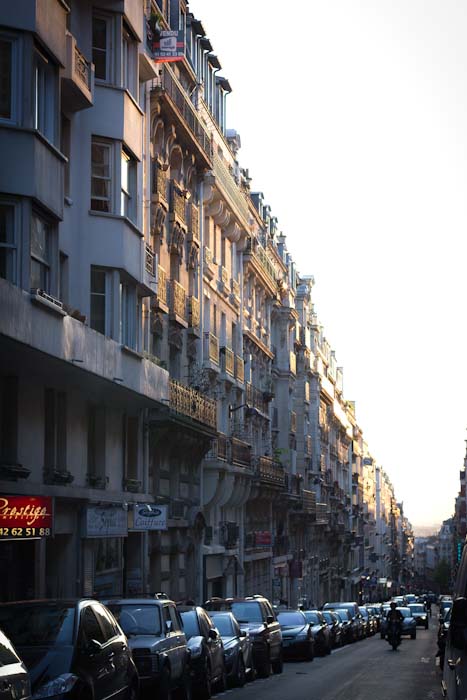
(97, 281)
(100, 188)
(7, 234)
(98, 313)
(5, 78)
(100, 156)
(7, 264)
(39, 239)
(125, 164)
(100, 205)
(99, 48)
(39, 275)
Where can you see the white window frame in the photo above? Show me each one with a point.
(48, 262)
(107, 299)
(110, 146)
(109, 48)
(128, 185)
(45, 96)
(14, 77)
(16, 238)
(129, 62)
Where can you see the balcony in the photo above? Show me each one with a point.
(255, 398)
(219, 448)
(211, 348)
(160, 301)
(77, 78)
(149, 259)
(258, 539)
(177, 303)
(229, 361)
(193, 231)
(190, 129)
(191, 403)
(293, 422)
(194, 313)
(263, 264)
(240, 452)
(177, 203)
(270, 471)
(159, 184)
(293, 363)
(239, 369)
(322, 514)
(309, 501)
(230, 191)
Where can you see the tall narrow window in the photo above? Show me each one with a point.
(7, 242)
(6, 72)
(101, 176)
(100, 52)
(129, 62)
(45, 96)
(99, 300)
(128, 186)
(40, 254)
(128, 316)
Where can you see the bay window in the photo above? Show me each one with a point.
(101, 176)
(128, 186)
(45, 96)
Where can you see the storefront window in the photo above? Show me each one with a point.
(108, 566)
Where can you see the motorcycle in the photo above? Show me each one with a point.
(393, 634)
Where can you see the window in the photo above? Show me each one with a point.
(45, 96)
(128, 186)
(90, 627)
(129, 316)
(65, 147)
(6, 78)
(100, 48)
(7, 241)
(100, 293)
(129, 62)
(40, 254)
(55, 430)
(101, 176)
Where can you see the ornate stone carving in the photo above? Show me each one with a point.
(176, 239)
(175, 336)
(158, 214)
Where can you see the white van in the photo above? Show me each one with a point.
(454, 683)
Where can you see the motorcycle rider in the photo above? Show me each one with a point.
(395, 616)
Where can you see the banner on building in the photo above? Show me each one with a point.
(106, 521)
(263, 538)
(168, 46)
(26, 516)
(147, 516)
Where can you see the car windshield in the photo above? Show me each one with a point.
(50, 624)
(417, 608)
(312, 617)
(247, 612)
(291, 619)
(224, 625)
(405, 612)
(190, 624)
(137, 619)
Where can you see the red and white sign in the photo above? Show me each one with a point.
(26, 516)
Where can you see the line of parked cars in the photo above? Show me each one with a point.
(119, 647)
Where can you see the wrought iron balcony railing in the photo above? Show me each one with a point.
(270, 471)
(149, 259)
(194, 317)
(229, 361)
(240, 452)
(211, 347)
(255, 398)
(239, 369)
(192, 403)
(177, 300)
(161, 285)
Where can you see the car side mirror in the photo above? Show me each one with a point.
(212, 634)
(270, 619)
(458, 624)
(242, 633)
(168, 626)
(93, 647)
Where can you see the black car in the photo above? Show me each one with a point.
(72, 649)
(348, 630)
(443, 630)
(297, 636)
(157, 641)
(207, 667)
(255, 615)
(419, 613)
(358, 627)
(14, 676)
(238, 648)
(319, 630)
(335, 628)
(375, 610)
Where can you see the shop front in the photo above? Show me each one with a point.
(105, 530)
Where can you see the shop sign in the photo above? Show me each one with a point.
(106, 521)
(149, 517)
(26, 516)
(168, 46)
(263, 538)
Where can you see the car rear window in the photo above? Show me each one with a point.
(137, 619)
(247, 612)
(291, 619)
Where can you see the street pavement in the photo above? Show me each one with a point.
(367, 670)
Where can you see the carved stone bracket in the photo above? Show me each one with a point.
(157, 325)
(175, 336)
(193, 255)
(158, 214)
(176, 239)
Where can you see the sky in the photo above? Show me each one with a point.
(353, 121)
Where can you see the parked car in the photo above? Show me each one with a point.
(14, 676)
(357, 623)
(443, 630)
(255, 615)
(409, 626)
(410, 598)
(71, 648)
(157, 641)
(444, 606)
(320, 631)
(238, 648)
(297, 635)
(420, 614)
(335, 628)
(376, 611)
(348, 628)
(207, 667)
(368, 621)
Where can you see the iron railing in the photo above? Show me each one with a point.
(192, 403)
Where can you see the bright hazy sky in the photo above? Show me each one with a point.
(353, 120)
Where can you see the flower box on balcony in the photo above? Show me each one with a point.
(58, 476)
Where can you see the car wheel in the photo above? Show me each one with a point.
(278, 665)
(264, 670)
(205, 691)
(240, 678)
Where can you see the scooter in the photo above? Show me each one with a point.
(394, 635)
